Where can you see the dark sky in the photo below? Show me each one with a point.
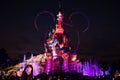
(18, 34)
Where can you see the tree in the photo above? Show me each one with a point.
(4, 58)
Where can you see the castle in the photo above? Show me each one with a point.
(59, 56)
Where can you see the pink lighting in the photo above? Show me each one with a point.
(65, 57)
(58, 54)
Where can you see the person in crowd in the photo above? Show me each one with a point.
(27, 73)
(13, 76)
(2, 76)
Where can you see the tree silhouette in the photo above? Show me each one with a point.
(4, 58)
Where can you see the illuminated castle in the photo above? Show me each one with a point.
(59, 57)
(58, 53)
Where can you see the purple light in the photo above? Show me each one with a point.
(89, 69)
(48, 65)
(36, 67)
(65, 66)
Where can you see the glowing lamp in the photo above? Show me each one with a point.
(73, 57)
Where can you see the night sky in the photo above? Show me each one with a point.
(18, 34)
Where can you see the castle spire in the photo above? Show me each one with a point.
(59, 29)
(60, 18)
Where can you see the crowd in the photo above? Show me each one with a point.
(27, 74)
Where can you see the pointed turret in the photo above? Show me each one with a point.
(59, 29)
(24, 61)
(60, 18)
(32, 59)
